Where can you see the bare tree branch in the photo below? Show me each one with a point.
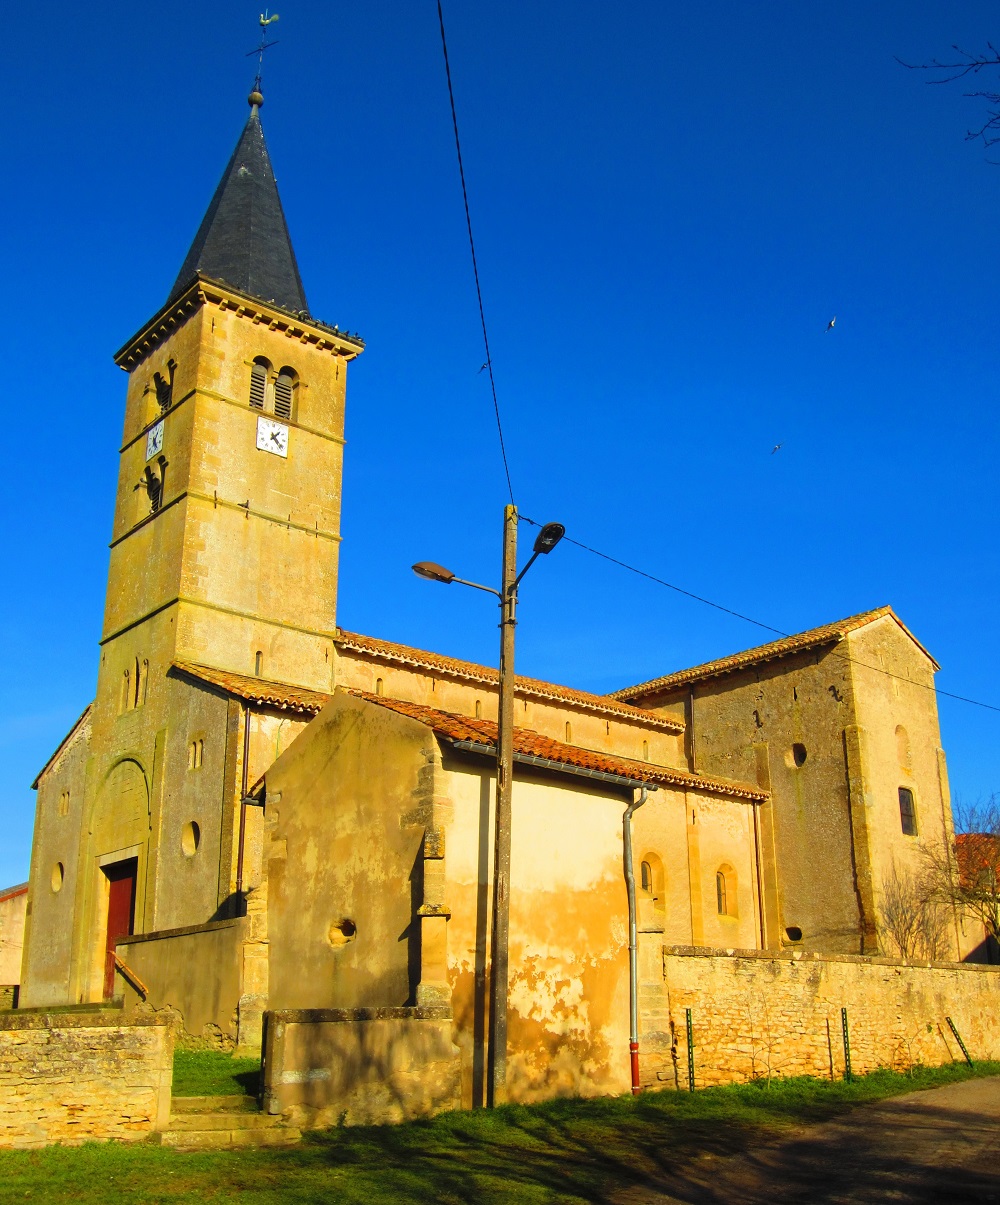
(966, 65)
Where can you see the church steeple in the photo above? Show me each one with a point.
(243, 240)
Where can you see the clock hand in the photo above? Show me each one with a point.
(276, 438)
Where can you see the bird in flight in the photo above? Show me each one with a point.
(483, 368)
(775, 449)
(831, 324)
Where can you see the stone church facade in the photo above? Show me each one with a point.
(261, 814)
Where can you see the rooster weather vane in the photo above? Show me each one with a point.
(265, 21)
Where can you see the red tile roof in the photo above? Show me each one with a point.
(528, 743)
(830, 633)
(978, 860)
(401, 654)
(258, 691)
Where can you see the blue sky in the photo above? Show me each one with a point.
(670, 202)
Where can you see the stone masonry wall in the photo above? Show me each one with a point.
(78, 1077)
(756, 1014)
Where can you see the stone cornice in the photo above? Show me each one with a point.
(211, 292)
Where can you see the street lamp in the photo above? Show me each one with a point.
(546, 540)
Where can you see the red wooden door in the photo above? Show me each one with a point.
(121, 914)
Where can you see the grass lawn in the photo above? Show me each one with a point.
(214, 1073)
(561, 1151)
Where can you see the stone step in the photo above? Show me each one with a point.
(223, 1121)
(193, 1140)
(213, 1104)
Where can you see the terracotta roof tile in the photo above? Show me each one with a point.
(528, 743)
(259, 691)
(978, 860)
(830, 633)
(387, 650)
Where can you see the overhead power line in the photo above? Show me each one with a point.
(652, 577)
(472, 249)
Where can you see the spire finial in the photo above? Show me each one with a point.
(256, 97)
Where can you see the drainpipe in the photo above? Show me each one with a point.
(243, 798)
(633, 970)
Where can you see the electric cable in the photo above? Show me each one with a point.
(757, 623)
(472, 248)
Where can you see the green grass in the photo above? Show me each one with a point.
(214, 1073)
(566, 1151)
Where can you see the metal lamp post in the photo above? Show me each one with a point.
(547, 539)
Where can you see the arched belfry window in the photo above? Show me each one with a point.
(725, 890)
(284, 394)
(258, 383)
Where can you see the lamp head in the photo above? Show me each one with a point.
(549, 537)
(433, 572)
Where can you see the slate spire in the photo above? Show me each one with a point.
(243, 240)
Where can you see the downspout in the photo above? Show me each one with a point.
(243, 798)
(633, 970)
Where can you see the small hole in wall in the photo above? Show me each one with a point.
(799, 754)
(645, 750)
(569, 732)
(379, 686)
(58, 875)
(793, 933)
(190, 838)
(258, 663)
(479, 709)
(342, 932)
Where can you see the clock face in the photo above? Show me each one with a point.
(154, 440)
(272, 436)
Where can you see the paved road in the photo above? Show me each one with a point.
(936, 1146)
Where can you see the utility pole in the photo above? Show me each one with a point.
(546, 540)
(501, 844)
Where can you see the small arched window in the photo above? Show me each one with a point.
(379, 686)
(725, 890)
(258, 383)
(645, 750)
(646, 876)
(569, 733)
(258, 663)
(907, 812)
(141, 677)
(284, 394)
(479, 709)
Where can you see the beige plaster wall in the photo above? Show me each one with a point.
(12, 910)
(755, 1013)
(84, 1077)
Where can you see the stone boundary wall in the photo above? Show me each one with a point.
(756, 1013)
(72, 1077)
(360, 1066)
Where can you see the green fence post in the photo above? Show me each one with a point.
(958, 1038)
(690, 1033)
(847, 1044)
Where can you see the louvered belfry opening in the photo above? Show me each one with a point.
(283, 388)
(258, 385)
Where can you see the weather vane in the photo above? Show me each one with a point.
(265, 21)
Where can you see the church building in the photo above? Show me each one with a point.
(262, 814)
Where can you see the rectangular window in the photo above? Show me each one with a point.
(907, 812)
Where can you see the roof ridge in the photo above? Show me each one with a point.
(522, 683)
(830, 633)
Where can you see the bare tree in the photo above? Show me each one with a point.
(913, 913)
(970, 66)
(976, 886)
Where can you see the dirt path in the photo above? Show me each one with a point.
(936, 1146)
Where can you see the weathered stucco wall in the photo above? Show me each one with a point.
(194, 972)
(82, 1077)
(347, 805)
(758, 1013)
(327, 1067)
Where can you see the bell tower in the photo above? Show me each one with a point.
(227, 520)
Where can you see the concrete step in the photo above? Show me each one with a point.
(213, 1104)
(194, 1140)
